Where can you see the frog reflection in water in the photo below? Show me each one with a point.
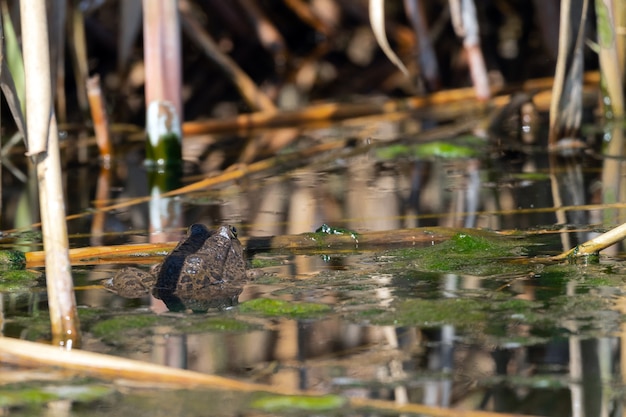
(206, 269)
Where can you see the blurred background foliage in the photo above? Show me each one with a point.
(298, 52)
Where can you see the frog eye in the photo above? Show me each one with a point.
(233, 230)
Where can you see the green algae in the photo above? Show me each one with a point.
(12, 259)
(115, 330)
(292, 309)
(496, 319)
(18, 280)
(122, 328)
(25, 397)
(265, 262)
(579, 306)
(19, 396)
(25, 275)
(83, 393)
(460, 312)
(465, 253)
(167, 151)
(275, 403)
(318, 238)
(90, 314)
(516, 306)
(33, 327)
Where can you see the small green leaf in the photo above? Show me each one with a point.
(276, 403)
(444, 150)
(437, 149)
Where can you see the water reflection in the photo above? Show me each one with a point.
(434, 366)
(513, 357)
(541, 341)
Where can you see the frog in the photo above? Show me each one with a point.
(207, 268)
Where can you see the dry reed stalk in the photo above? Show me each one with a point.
(566, 106)
(613, 186)
(44, 150)
(129, 25)
(135, 253)
(465, 23)
(103, 141)
(162, 52)
(619, 13)
(426, 56)
(78, 51)
(478, 71)
(612, 182)
(437, 104)
(99, 118)
(23, 353)
(57, 23)
(162, 57)
(610, 67)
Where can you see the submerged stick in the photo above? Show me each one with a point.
(595, 245)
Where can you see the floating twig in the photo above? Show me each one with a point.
(152, 252)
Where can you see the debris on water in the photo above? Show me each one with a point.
(329, 230)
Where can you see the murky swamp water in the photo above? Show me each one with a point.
(478, 321)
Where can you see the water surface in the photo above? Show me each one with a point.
(495, 328)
